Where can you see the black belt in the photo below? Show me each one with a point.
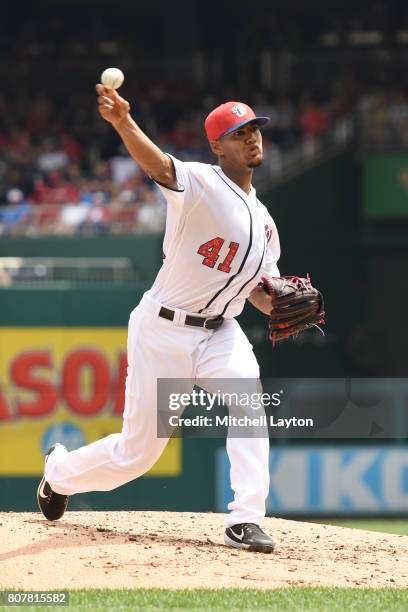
(215, 323)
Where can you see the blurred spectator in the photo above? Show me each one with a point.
(72, 217)
(122, 167)
(55, 189)
(313, 118)
(39, 114)
(314, 123)
(16, 215)
(52, 156)
(286, 132)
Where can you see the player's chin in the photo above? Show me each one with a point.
(254, 163)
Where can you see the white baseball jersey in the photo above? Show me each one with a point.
(219, 242)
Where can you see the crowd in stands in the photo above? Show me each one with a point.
(383, 120)
(63, 168)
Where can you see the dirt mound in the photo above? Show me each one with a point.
(185, 550)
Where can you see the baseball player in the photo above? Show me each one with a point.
(219, 241)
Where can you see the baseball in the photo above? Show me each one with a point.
(112, 78)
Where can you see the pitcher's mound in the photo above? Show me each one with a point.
(186, 550)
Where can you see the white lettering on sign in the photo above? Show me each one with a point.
(288, 480)
(342, 481)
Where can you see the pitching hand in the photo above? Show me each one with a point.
(111, 106)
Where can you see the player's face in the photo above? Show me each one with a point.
(243, 147)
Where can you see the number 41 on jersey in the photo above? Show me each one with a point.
(211, 252)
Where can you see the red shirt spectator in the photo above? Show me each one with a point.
(313, 120)
(57, 191)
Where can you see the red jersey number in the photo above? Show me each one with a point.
(211, 251)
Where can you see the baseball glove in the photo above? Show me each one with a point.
(296, 306)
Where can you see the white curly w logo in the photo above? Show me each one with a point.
(239, 110)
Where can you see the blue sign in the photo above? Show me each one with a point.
(329, 480)
(66, 433)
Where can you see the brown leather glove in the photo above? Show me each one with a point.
(296, 306)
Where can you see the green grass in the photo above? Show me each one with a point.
(384, 525)
(279, 600)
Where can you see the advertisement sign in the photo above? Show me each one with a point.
(65, 385)
(330, 480)
(385, 187)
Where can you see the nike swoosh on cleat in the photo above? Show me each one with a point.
(239, 535)
(41, 491)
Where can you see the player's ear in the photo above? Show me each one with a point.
(216, 147)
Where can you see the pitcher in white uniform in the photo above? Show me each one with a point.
(219, 241)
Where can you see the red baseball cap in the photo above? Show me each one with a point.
(229, 117)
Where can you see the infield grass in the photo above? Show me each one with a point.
(279, 600)
(398, 526)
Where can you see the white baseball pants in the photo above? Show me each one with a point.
(158, 348)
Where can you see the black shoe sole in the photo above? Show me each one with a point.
(263, 548)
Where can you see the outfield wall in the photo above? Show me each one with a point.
(145, 251)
